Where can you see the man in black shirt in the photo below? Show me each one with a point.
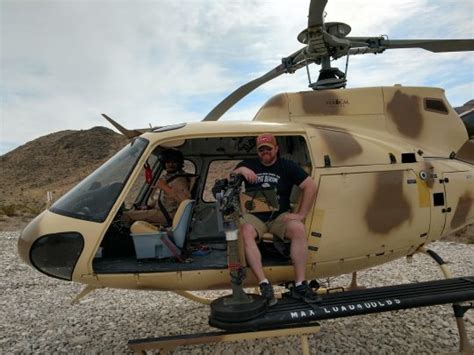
(269, 170)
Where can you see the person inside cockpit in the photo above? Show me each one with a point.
(174, 187)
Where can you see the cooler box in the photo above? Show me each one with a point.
(150, 245)
(150, 242)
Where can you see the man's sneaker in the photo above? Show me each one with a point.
(266, 291)
(305, 293)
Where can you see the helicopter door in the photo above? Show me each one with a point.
(367, 214)
(459, 201)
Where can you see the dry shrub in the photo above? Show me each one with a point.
(9, 210)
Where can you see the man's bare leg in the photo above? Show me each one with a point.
(254, 258)
(295, 231)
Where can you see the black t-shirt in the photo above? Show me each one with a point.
(282, 175)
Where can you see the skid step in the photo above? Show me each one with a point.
(289, 311)
(167, 343)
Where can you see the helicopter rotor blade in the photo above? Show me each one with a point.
(432, 45)
(241, 92)
(316, 12)
(330, 40)
(290, 64)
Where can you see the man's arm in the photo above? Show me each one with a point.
(308, 192)
(163, 185)
(177, 189)
(247, 173)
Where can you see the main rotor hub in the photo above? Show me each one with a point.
(337, 29)
(326, 41)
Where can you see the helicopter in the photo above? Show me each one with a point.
(395, 163)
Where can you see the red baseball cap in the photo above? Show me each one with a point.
(266, 139)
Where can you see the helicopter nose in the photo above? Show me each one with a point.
(28, 235)
(23, 249)
(54, 254)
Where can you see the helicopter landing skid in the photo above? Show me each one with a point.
(465, 346)
(294, 317)
(291, 312)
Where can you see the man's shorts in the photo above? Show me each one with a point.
(277, 226)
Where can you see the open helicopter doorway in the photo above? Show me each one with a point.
(205, 161)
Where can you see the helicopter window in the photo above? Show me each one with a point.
(218, 169)
(56, 254)
(93, 198)
(137, 190)
(189, 167)
(140, 193)
(436, 105)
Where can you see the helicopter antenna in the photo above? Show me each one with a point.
(329, 40)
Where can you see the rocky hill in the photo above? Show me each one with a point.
(466, 107)
(55, 163)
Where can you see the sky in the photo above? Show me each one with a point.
(158, 62)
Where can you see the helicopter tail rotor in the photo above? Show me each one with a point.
(129, 133)
(126, 132)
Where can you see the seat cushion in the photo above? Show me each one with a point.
(140, 227)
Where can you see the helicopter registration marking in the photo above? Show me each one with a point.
(332, 102)
(363, 306)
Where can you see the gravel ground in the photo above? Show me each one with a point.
(36, 315)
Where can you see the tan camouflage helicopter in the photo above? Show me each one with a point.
(393, 166)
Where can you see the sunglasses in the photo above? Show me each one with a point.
(265, 149)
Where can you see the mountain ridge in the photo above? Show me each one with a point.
(54, 162)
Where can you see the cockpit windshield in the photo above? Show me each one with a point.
(93, 198)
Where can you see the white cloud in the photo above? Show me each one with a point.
(161, 62)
